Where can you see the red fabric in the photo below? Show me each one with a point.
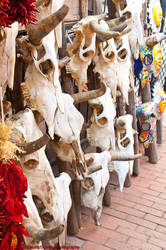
(22, 11)
(13, 185)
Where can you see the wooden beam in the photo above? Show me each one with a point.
(131, 109)
(84, 8)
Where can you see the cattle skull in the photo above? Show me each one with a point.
(83, 48)
(39, 174)
(132, 8)
(125, 144)
(34, 226)
(42, 88)
(7, 56)
(93, 186)
(101, 131)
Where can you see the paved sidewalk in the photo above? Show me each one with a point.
(137, 216)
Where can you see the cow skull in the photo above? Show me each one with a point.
(39, 174)
(93, 186)
(124, 66)
(7, 56)
(133, 9)
(34, 226)
(125, 144)
(83, 48)
(101, 131)
(106, 65)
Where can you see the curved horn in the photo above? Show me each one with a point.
(37, 31)
(93, 169)
(44, 234)
(85, 96)
(120, 27)
(119, 156)
(116, 21)
(39, 2)
(31, 147)
(102, 33)
(27, 148)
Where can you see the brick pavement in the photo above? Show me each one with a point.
(137, 216)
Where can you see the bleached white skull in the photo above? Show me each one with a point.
(106, 65)
(39, 173)
(93, 187)
(81, 51)
(101, 131)
(133, 8)
(33, 224)
(124, 66)
(125, 144)
(7, 56)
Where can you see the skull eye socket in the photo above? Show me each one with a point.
(31, 164)
(102, 121)
(122, 54)
(123, 5)
(110, 55)
(46, 67)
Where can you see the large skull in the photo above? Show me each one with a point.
(113, 63)
(107, 65)
(134, 9)
(101, 131)
(7, 56)
(81, 52)
(124, 144)
(124, 66)
(39, 174)
(93, 187)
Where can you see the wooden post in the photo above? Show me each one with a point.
(111, 9)
(84, 8)
(15, 95)
(72, 220)
(131, 109)
(159, 131)
(74, 217)
(99, 6)
(107, 196)
(152, 151)
(128, 180)
(121, 110)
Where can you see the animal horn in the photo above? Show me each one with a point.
(103, 34)
(85, 96)
(36, 32)
(116, 21)
(38, 3)
(93, 169)
(44, 234)
(119, 156)
(31, 147)
(27, 148)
